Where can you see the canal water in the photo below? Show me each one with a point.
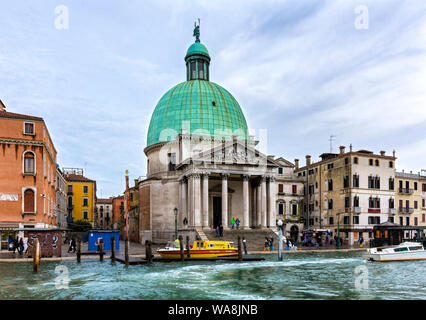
(299, 276)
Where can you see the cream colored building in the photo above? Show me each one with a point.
(350, 191)
(410, 199)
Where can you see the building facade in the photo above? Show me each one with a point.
(349, 192)
(104, 214)
(410, 199)
(81, 196)
(61, 199)
(202, 163)
(27, 173)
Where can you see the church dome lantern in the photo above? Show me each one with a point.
(197, 104)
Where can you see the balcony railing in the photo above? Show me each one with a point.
(392, 211)
(70, 193)
(405, 190)
(406, 210)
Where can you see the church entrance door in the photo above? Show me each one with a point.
(217, 211)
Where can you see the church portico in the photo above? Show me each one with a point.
(215, 197)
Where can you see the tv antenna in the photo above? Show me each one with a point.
(331, 142)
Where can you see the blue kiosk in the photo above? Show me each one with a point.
(106, 235)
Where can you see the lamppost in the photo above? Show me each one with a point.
(280, 239)
(176, 228)
(338, 230)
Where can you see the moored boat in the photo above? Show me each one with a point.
(201, 249)
(406, 251)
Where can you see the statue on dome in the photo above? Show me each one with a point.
(197, 31)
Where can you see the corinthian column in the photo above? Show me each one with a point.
(225, 222)
(197, 200)
(245, 202)
(205, 206)
(263, 208)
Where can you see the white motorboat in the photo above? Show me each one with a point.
(406, 251)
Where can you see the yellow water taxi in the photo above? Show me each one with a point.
(200, 249)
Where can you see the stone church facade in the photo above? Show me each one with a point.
(203, 167)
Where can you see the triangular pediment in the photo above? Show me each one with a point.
(233, 152)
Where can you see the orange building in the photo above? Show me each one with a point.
(117, 211)
(27, 174)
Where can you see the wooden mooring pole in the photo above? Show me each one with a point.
(36, 255)
(113, 249)
(148, 251)
(240, 254)
(78, 249)
(126, 251)
(101, 250)
(188, 252)
(181, 247)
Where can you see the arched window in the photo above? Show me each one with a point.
(29, 162)
(29, 201)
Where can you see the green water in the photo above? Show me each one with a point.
(299, 276)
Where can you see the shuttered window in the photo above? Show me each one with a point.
(29, 201)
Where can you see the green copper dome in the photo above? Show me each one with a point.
(196, 105)
(197, 48)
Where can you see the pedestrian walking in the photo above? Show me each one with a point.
(217, 232)
(232, 222)
(15, 244)
(21, 246)
(266, 248)
(70, 245)
(271, 244)
(237, 223)
(361, 241)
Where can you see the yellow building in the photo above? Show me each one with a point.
(81, 196)
(410, 199)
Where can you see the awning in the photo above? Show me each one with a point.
(8, 226)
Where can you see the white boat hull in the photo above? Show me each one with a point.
(396, 256)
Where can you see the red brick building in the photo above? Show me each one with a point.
(27, 174)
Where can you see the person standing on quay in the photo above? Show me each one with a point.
(237, 222)
(232, 222)
(221, 230)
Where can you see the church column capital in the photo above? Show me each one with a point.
(245, 177)
(224, 176)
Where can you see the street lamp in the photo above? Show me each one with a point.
(176, 229)
(280, 239)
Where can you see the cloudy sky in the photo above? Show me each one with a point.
(303, 70)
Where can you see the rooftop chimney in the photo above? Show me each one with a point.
(350, 147)
(296, 163)
(2, 106)
(342, 149)
(393, 152)
(382, 153)
(308, 160)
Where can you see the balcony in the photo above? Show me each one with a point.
(405, 210)
(70, 193)
(405, 191)
(392, 211)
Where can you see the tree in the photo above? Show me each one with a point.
(81, 226)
